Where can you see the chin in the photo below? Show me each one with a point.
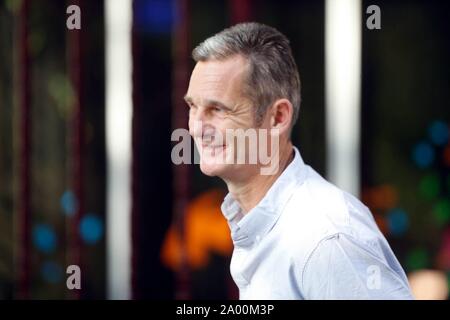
(212, 170)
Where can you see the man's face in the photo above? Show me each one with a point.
(216, 104)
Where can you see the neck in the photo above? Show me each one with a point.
(249, 193)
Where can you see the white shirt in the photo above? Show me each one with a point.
(307, 239)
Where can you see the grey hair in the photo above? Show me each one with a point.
(273, 73)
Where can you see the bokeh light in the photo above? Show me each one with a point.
(44, 238)
(382, 197)
(441, 211)
(429, 186)
(423, 154)
(155, 16)
(438, 133)
(398, 221)
(429, 285)
(417, 259)
(446, 156)
(51, 272)
(68, 203)
(443, 258)
(91, 228)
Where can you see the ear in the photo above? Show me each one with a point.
(281, 115)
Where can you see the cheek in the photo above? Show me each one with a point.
(241, 121)
(220, 129)
(195, 127)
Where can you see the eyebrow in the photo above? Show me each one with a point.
(208, 102)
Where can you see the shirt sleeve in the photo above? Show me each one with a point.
(340, 268)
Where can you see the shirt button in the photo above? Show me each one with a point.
(257, 238)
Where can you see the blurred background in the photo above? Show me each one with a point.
(86, 117)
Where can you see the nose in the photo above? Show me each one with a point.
(196, 128)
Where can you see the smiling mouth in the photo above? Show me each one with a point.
(212, 149)
(210, 146)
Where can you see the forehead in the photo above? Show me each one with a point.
(217, 79)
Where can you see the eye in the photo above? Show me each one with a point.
(217, 109)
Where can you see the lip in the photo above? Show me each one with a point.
(213, 146)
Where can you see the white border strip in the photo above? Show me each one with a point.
(342, 74)
(118, 23)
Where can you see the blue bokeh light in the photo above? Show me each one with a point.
(91, 228)
(44, 238)
(68, 203)
(438, 133)
(398, 221)
(423, 154)
(154, 16)
(51, 272)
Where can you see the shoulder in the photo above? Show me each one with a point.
(331, 232)
(340, 267)
(323, 209)
(318, 210)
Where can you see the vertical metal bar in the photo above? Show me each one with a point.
(24, 196)
(181, 173)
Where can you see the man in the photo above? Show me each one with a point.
(295, 235)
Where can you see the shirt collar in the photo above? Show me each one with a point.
(252, 227)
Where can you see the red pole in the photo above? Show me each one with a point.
(24, 98)
(181, 173)
(76, 131)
